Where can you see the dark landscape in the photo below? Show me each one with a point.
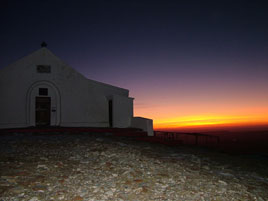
(243, 142)
(101, 166)
(232, 142)
(133, 100)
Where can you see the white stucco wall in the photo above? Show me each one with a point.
(76, 100)
(122, 111)
(143, 123)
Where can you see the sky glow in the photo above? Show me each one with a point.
(187, 64)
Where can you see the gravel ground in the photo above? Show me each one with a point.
(101, 167)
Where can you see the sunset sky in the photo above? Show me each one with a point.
(187, 63)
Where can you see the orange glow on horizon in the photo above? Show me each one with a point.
(209, 122)
(211, 114)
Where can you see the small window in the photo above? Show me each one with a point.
(43, 69)
(43, 91)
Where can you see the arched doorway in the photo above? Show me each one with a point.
(43, 104)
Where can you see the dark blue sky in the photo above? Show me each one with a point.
(96, 30)
(184, 50)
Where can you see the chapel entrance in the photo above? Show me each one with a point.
(42, 111)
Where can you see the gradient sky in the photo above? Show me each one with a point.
(185, 62)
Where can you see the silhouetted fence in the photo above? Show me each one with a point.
(189, 138)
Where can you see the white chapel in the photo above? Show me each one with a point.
(41, 90)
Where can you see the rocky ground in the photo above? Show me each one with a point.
(101, 167)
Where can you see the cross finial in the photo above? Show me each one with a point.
(43, 44)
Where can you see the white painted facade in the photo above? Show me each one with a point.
(143, 123)
(41, 86)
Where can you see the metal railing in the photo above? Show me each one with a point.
(189, 138)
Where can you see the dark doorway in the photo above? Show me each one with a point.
(42, 111)
(111, 113)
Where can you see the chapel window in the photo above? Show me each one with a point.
(43, 69)
(43, 91)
